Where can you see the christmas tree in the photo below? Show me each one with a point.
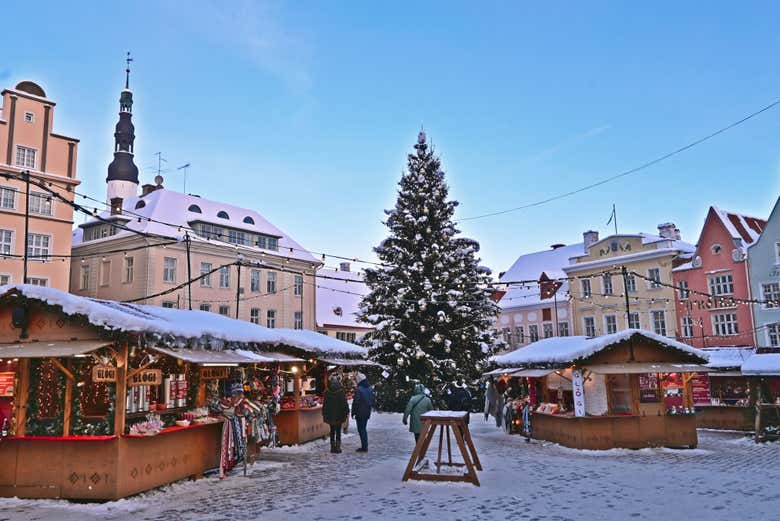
(429, 301)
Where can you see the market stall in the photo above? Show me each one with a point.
(763, 368)
(101, 400)
(724, 398)
(630, 389)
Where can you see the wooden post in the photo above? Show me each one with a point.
(66, 413)
(121, 390)
(22, 393)
(297, 390)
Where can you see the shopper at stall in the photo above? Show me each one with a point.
(362, 404)
(491, 396)
(418, 405)
(335, 411)
(459, 398)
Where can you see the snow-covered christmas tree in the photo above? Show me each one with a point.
(430, 300)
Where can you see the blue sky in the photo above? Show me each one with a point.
(306, 110)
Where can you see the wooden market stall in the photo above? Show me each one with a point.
(724, 397)
(763, 368)
(101, 400)
(630, 389)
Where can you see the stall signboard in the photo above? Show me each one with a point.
(578, 390)
(7, 383)
(146, 377)
(700, 385)
(213, 373)
(648, 388)
(104, 373)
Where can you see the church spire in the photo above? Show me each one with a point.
(122, 173)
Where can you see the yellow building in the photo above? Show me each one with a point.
(598, 293)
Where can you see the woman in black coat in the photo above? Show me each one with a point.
(335, 411)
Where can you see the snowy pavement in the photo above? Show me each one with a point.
(726, 478)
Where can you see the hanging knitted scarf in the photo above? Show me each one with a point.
(224, 453)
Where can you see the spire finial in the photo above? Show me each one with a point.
(127, 70)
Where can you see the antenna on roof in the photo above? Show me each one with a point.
(127, 70)
(184, 167)
(160, 161)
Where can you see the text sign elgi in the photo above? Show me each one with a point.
(146, 377)
(104, 373)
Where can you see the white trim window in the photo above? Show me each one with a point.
(271, 282)
(587, 292)
(224, 310)
(533, 333)
(770, 291)
(654, 278)
(630, 283)
(589, 326)
(658, 319)
(270, 318)
(725, 324)
(607, 283)
(6, 242)
(26, 157)
(610, 324)
(633, 321)
(29, 117)
(773, 334)
(298, 318)
(169, 269)
(254, 315)
(254, 282)
(205, 307)
(8, 197)
(721, 284)
(205, 268)
(129, 270)
(687, 327)
(4, 279)
(169, 304)
(105, 273)
(38, 246)
(298, 285)
(38, 281)
(547, 329)
(563, 329)
(682, 286)
(84, 279)
(519, 335)
(41, 204)
(224, 277)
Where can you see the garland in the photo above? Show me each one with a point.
(50, 391)
(91, 426)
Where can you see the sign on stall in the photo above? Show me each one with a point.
(578, 389)
(213, 373)
(7, 383)
(146, 377)
(104, 373)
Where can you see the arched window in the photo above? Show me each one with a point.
(194, 208)
(249, 220)
(139, 205)
(223, 215)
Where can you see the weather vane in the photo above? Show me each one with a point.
(127, 70)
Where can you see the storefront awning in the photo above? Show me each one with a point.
(533, 373)
(268, 357)
(646, 367)
(202, 356)
(64, 348)
(716, 374)
(345, 362)
(502, 370)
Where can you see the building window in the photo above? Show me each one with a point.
(345, 337)
(777, 253)
(25, 157)
(169, 269)
(771, 294)
(533, 333)
(40, 204)
(721, 284)
(205, 307)
(84, 277)
(129, 266)
(224, 277)
(249, 220)
(548, 329)
(586, 290)
(223, 215)
(273, 243)
(254, 281)
(7, 197)
(610, 324)
(687, 327)
(725, 324)
(271, 282)
(254, 316)
(607, 280)
(563, 329)
(5, 279)
(37, 281)
(630, 283)
(194, 208)
(590, 326)
(298, 285)
(519, 335)
(654, 276)
(633, 321)
(205, 269)
(6, 242)
(299, 320)
(270, 318)
(684, 291)
(105, 273)
(659, 322)
(774, 335)
(38, 245)
(169, 304)
(29, 117)
(224, 310)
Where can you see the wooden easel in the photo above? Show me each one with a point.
(449, 421)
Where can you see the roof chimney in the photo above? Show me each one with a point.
(669, 231)
(590, 237)
(344, 266)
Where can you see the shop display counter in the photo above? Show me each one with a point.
(726, 417)
(294, 426)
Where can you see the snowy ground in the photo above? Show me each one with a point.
(726, 478)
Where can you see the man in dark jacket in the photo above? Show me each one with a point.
(362, 404)
(335, 411)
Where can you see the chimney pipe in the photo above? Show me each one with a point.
(344, 266)
(590, 237)
(669, 231)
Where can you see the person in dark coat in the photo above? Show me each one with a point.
(335, 411)
(362, 403)
(459, 399)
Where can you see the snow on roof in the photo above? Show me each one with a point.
(744, 229)
(170, 206)
(530, 267)
(181, 323)
(764, 364)
(728, 357)
(564, 350)
(338, 301)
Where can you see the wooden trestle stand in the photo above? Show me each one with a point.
(449, 421)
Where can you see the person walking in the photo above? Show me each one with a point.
(491, 396)
(418, 405)
(362, 403)
(335, 411)
(460, 398)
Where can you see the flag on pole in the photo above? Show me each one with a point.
(611, 216)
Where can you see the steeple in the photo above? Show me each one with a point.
(122, 177)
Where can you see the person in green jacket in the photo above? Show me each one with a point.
(335, 411)
(418, 405)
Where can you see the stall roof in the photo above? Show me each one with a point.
(644, 367)
(57, 349)
(349, 362)
(268, 357)
(204, 356)
(532, 373)
(501, 370)
(765, 364)
(728, 357)
(181, 323)
(568, 349)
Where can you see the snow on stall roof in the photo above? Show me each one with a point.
(567, 349)
(338, 301)
(182, 323)
(728, 357)
(170, 206)
(764, 364)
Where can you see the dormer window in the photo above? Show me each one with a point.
(716, 249)
(139, 205)
(223, 215)
(194, 208)
(249, 220)
(29, 117)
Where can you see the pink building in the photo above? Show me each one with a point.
(718, 268)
